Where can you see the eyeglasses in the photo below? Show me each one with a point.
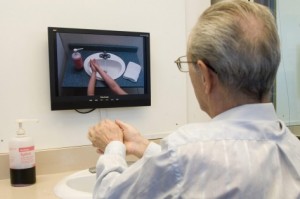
(183, 66)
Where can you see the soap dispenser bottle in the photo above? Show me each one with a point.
(22, 157)
(77, 59)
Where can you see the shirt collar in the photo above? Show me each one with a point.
(261, 111)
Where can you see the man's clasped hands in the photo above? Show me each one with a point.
(107, 131)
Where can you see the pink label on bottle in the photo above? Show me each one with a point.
(24, 149)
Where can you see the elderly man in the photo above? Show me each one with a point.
(245, 151)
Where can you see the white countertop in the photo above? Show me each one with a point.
(42, 189)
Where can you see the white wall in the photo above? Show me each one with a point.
(193, 10)
(24, 72)
(288, 81)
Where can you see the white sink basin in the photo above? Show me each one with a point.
(76, 186)
(113, 66)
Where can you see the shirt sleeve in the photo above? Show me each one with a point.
(109, 166)
(116, 180)
(156, 176)
(152, 149)
(115, 148)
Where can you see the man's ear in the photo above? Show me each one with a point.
(207, 76)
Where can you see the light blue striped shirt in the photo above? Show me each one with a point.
(245, 152)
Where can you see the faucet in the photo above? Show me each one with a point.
(92, 169)
(104, 55)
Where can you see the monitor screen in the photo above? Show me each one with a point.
(98, 68)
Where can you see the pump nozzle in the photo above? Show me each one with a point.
(21, 131)
(77, 49)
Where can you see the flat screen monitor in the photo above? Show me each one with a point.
(92, 68)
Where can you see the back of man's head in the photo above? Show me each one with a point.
(240, 40)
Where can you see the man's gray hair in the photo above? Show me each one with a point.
(240, 40)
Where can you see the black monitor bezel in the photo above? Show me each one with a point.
(107, 101)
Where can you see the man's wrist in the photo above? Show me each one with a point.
(141, 149)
